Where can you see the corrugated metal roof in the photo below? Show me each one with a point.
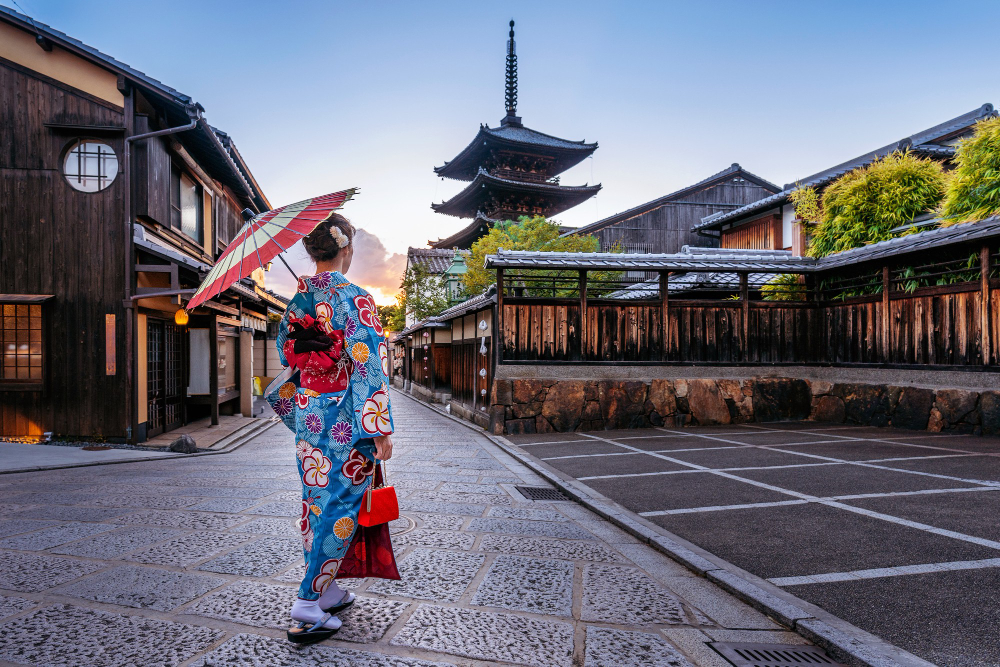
(920, 142)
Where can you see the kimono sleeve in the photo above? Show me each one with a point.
(370, 379)
(299, 305)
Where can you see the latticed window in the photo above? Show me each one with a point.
(90, 166)
(21, 342)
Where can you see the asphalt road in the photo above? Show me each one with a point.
(897, 532)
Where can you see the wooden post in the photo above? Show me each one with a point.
(664, 314)
(246, 371)
(498, 325)
(886, 355)
(984, 304)
(745, 308)
(583, 314)
(213, 366)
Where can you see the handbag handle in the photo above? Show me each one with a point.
(371, 485)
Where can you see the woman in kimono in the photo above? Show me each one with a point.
(339, 409)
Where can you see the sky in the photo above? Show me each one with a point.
(321, 96)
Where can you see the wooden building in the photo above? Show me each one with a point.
(116, 197)
(769, 223)
(512, 171)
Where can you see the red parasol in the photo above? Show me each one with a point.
(263, 237)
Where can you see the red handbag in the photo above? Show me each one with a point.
(379, 504)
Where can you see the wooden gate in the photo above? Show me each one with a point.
(164, 376)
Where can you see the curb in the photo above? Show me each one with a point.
(843, 641)
(232, 442)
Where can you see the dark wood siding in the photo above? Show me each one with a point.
(55, 240)
(152, 163)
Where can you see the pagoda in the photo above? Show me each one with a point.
(512, 171)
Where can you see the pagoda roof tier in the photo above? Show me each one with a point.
(552, 198)
(465, 237)
(512, 136)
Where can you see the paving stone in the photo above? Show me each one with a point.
(11, 605)
(295, 575)
(31, 572)
(545, 548)
(535, 585)
(432, 575)
(221, 492)
(607, 647)
(143, 587)
(440, 521)
(530, 528)
(487, 635)
(473, 488)
(250, 603)
(627, 596)
(225, 504)
(270, 525)
(65, 636)
(285, 508)
(54, 536)
(15, 526)
(530, 513)
(255, 651)
(444, 539)
(429, 476)
(262, 558)
(719, 605)
(409, 505)
(187, 549)
(70, 513)
(144, 502)
(419, 484)
(447, 496)
(116, 543)
(369, 618)
(185, 519)
(403, 524)
(289, 496)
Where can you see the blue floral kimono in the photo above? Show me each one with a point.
(334, 430)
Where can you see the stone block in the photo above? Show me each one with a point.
(623, 403)
(681, 388)
(66, 635)
(432, 575)
(262, 558)
(117, 543)
(989, 411)
(608, 646)
(184, 445)
(520, 426)
(663, 398)
(474, 634)
(11, 605)
(526, 410)
(828, 409)
(441, 539)
(534, 585)
(706, 403)
(54, 536)
(956, 405)
(143, 587)
(563, 406)
(541, 547)
(503, 392)
(780, 399)
(528, 391)
(257, 651)
(820, 387)
(913, 408)
(864, 403)
(627, 596)
(563, 530)
(188, 549)
(542, 425)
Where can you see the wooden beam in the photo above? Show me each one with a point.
(984, 304)
(664, 313)
(745, 313)
(498, 339)
(885, 315)
(583, 314)
(213, 367)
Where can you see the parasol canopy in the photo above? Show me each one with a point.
(263, 237)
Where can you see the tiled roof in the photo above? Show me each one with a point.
(477, 302)
(732, 171)
(569, 194)
(435, 260)
(921, 142)
(526, 135)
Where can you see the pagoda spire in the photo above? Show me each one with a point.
(511, 87)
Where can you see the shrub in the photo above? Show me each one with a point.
(783, 287)
(807, 204)
(974, 187)
(864, 205)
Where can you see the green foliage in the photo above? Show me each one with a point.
(912, 279)
(422, 293)
(807, 204)
(392, 316)
(974, 187)
(862, 206)
(784, 287)
(535, 233)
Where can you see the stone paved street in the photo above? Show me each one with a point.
(195, 561)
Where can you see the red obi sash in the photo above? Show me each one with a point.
(317, 350)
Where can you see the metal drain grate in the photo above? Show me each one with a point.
(540, 493)
(742, 654)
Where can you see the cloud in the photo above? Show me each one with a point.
(373, 267)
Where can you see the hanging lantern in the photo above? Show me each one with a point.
(482, 372)
(181, 317)
(426, 334)
(482, 325)
(482, 392)
(425, 347)
(482, 350)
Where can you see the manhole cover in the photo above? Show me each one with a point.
(403, 524)
(540, 493)
(743, 654)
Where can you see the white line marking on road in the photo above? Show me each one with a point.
(898, 571)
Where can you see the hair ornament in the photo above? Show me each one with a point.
(339, 236)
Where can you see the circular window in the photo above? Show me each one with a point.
(90, 166)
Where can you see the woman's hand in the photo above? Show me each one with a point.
(383, 447)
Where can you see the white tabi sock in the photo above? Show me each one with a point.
(308, 611)
(332, 595)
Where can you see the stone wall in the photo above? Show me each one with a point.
(523, 405)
